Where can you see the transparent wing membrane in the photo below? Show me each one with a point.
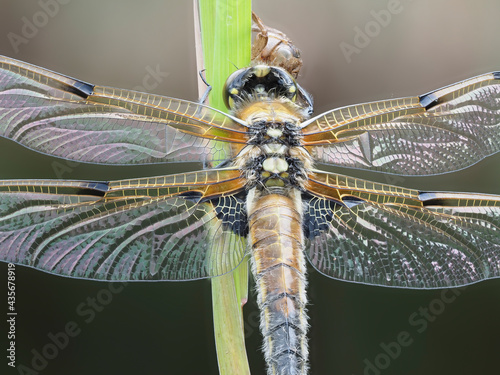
(384, 235)
(71, 119)
(178, 227)
(443, 131)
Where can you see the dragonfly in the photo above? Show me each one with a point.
(266, 198)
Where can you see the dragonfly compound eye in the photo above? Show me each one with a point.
(259, 81)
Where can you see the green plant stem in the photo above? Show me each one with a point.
(226, 42)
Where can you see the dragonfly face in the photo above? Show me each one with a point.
(258, 83)
(349, 201)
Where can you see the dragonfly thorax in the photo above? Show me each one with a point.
(274, 157)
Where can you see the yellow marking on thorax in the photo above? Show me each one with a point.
(269, 111)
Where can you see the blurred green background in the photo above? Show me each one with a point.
(166, 328)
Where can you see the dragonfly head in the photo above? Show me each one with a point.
(259, 82)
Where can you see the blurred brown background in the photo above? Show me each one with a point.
(166, 327)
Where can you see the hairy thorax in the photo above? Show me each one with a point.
(274, 159)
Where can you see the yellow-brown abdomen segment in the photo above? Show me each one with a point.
(279, 269)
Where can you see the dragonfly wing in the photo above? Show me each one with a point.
(64, 117)
(397, 237)
(182, 230)
(443, 131)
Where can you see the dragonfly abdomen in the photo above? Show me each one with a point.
(279, 269)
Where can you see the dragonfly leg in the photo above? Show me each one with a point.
(207, 91)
